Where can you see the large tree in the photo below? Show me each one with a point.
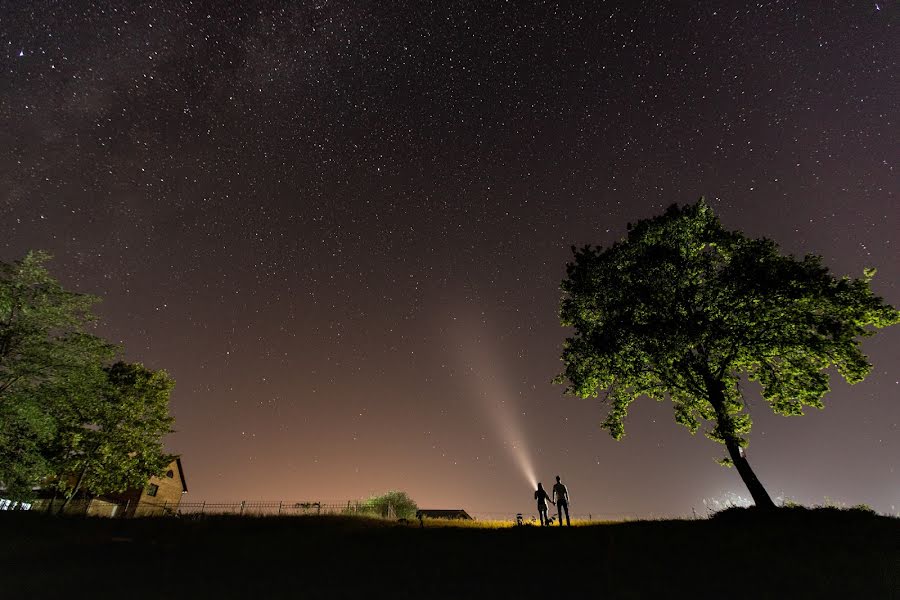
(682, 309)
(115, 442)
(47, 356)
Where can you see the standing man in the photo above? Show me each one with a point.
(561, 497)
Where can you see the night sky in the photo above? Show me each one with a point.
(341, 226)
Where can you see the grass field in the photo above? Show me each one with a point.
(793, 553)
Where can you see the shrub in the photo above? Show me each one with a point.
(393, 504)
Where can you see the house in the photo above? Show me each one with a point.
(454, 513)
(161, 496)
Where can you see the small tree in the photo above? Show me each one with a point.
(393, 503)
(683, 309)
(47, 356)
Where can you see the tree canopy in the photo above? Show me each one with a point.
(47, 356)
(683, 308)
(115, 442)
(57, 389)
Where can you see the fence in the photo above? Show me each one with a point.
(360, 508)
(96, 507)
(282, 508)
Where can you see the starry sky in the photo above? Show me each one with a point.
(341, 226)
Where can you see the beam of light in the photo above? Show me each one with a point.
(498, 400)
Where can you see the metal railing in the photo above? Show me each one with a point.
(282, 508)
(98, 507)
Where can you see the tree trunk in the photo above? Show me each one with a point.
(74, 491)
(757, 491)
(49, 509)
(754, 486)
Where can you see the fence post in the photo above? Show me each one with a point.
(203, 507)
(279, 507)
(242, 506)
(165, 502)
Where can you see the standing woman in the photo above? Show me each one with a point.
(542, 498)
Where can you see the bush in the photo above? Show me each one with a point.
(392, 504)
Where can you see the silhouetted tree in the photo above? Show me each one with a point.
(683, 309)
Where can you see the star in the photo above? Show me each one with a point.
(346, 208)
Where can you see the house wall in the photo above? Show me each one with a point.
(90, 507)
(103, 508)
(167, 498)
(130, 503)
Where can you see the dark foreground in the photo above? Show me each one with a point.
(738, 554)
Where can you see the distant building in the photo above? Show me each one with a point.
(453, 513)
(161, 496)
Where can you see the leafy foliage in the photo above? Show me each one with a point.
(63, 412)
(393, 503)
(118, 444)
(47, 356)
(683, 308)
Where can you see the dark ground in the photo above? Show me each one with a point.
(738, 554)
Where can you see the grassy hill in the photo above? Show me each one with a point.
(794, 553)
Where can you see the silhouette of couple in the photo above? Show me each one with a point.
(560, 499)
